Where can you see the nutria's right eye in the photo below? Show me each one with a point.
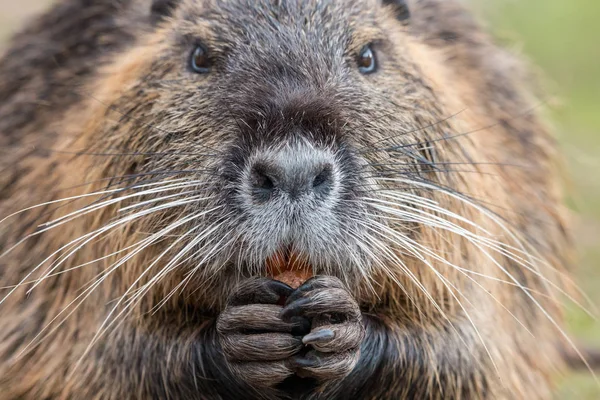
(199, 60)
(367, 64)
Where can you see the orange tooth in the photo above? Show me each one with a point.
(289, 267)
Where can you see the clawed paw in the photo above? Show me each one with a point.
(336, 328)
(255, 340)
(317, 333)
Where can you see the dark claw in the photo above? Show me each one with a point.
(314, 283)
(294, 309)
(306, 287)
(318, 336)
(301, 327)
(279, 288)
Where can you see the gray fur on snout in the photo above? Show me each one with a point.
(295, 214)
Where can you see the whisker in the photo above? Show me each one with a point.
(86, 238)
(398, 240)
(476, 240)
(449, 287)
(184, 282)
(513, 235)
(370, 146)
(499, 247)
(105, 324)
(88, 209)
(122, 221)
(87, 292)
(101, 192)
(456, 136)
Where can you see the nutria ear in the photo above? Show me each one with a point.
(161, 9)
(400, 8)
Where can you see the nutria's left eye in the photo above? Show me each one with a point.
(367, 64)
(199, 60)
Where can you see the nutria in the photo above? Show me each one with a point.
(157, 154)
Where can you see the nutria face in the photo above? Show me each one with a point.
(386, 144)
(345, 133)
(294, 122)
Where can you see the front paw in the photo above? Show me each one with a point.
(255, 340)
(336, 328)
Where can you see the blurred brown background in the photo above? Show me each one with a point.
(561, 37)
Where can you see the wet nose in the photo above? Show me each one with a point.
(292, 174)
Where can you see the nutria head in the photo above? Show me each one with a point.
(386, 143)
(281, 115)
(325, 129)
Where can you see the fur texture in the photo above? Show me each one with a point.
(439, 253)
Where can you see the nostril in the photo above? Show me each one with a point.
(268, 180)
(263, 182)
(323, 180)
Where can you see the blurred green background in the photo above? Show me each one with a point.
(563, 39)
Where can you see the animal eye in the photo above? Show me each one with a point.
(199, 60)
(367, 64)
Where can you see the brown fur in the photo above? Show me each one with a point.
(98, 100)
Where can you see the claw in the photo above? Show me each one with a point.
(306, 287)
(293, 309)
(314, 283)
(318, 336)
(301, 326)
(279, 288)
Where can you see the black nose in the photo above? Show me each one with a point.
(290, 175)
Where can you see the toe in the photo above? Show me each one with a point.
(261, 347)
(337, 338)
(320, 336)
(324, 367)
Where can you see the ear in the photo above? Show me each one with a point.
(444, 22)
(400, 9)
(161, 9)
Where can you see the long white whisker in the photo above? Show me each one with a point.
(87, 292)
(156, 200)
(182, 284)
(477, 243)
(497, 221)
(105, 203)
(47, 227)
(105, 324)
(434, 221)
(399, 240)
(410, 246)
(86, 238)
(90, 236)
(81, 196)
